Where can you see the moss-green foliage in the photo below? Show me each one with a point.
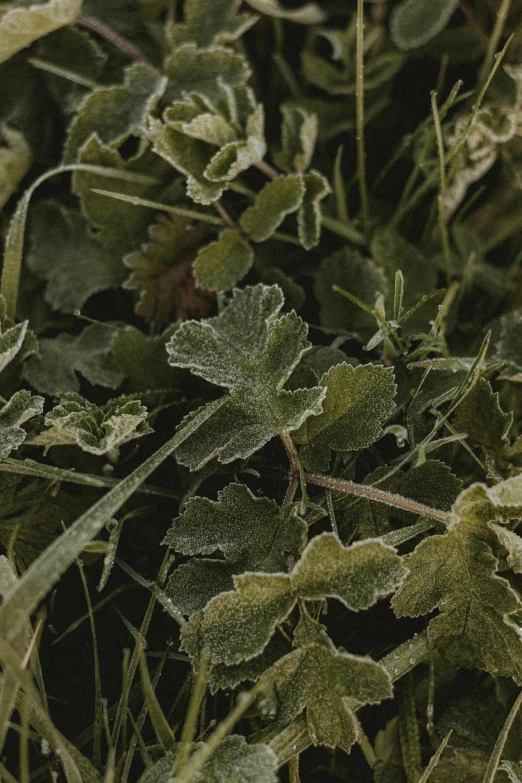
(260, 379)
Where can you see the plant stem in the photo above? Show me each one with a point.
(294, 467)
(190, 725)
(494, 39)
(441, 200)
(359, 114)
(496, 754)
(117, 40)
(378, 495)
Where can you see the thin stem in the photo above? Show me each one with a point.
(378, 495)
(267, 169)
(359, 113)
(331, 512)
(294, 467)
(496, 755)
(190, 725)
(441, 200)
(494, 39)
(222, 212)
(117, 40)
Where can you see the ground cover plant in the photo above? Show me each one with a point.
(260, 372)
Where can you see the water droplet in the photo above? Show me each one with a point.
(412, 661)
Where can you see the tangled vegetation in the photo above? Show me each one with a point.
(260, 409)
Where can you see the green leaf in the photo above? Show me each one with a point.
(54, 370)
(238, 625)
(512, 543)
(309, 214)
(96, 429)
(19, 409)
(115, 113)
(414, 22)
(20, 26)
(63, 252)
(276, 200)
(143, 360)
(203, 72)
(357, 401)
(391, 252)
(514, 771)
(455, 573)
(234, 761)
(482, 418)
(15, 161)
(349, 270)
(252, 533)
(318, 678)
(207, 25)
(298, 138)
(11, 341)
(220, 265)
(309, 13)
(251, 351)
(508, 347)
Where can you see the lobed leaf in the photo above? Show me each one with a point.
(276, 200)
(220, 265)
(19, 409)
(20, 26)
(208, 25)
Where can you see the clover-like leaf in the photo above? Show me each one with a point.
(220, 265)
(298, 138)
(253, 534)
(19, 409)
(207, 25)
(455, 573)
(54, 370)
(251, 351)
(414, 22)
(277, 200)
(97, 429)
(309, 214)
(238, 625)
(117, 112)
(357, 401)
(233, 761)
(15, 161)
(20, 25)
(319, 679)
(73, 262)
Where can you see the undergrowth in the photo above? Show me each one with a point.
(260, 367)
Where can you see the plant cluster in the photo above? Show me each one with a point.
(260, 367)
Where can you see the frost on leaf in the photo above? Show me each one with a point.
(414, 22)
(19, 409)
(357, 401)
(115, 113)
(208, 24)
(234, 761)
(319, 679)
(15, 162)
(11, 341)
(308, 13)
(309, 214)
(54, 370)
(253, 534)
(143, 360)
(277, 200)
(21, 25)
(220, 265)
(74, 263)
(456, 573)
(97, 429)
(251, 351)
(214, 128)
(162, 271)
(481, 417)
(298, 138)
(238, 625)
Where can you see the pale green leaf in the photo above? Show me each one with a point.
(357, 402)
(203, 72)
(514, 771)
(251, 351)
(455, 573)
(319, 679)
(512, 543)
(220, 265)
(115, 113)
(19, 409)
(206, 25)
(309, 214)
(63, 252)
(414, 22)
(308, 13)
(11, 340)
(234, 761)
(54, 370)
(15, 162)
(238, 625)
(298, 138)
(21, 25)
(95, 429)
(276, 200)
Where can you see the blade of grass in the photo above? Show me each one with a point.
(359, 114)
(190, 724)
(191, 214)
(494, 38)
(441, 203)
(156, 714)
(494, 759)
(98, 707)
(435, 759)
